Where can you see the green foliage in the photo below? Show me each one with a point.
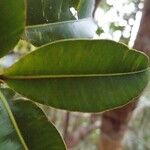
(80, 75)
(76, 75)
(48, 11)
(24, 126)
(12, 22)
(52, 20)
(43, 34)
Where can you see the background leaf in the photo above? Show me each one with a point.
(80, 75)
(12, 22)
(51, 20)
(36, 131)
(48, 11)
(42, 34)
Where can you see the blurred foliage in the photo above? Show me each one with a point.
(138, 134)
(117, 19)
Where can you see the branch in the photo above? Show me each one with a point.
(74, 138)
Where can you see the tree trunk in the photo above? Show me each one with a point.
(114, 125)
(115, 122)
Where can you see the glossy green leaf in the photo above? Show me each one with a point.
(51, 20)
(80, 75)
(12, 22)
(24, 126)
(48, 11)
(42, 34)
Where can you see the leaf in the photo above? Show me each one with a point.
(51, 20)
(52, 11)
(85, 8)
(12, 22)
(24, 126)
(42, 34)
(48, 11)
(80, 75)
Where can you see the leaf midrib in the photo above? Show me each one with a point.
(57, 23)
(11, 116)
(5, 77)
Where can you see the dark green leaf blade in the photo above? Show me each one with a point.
(34, 128)
(37, 131)
(80, 75)
(48, 11)
(12, 22)
(43, 34)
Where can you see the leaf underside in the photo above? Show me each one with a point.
(80, 75)
(33, 126)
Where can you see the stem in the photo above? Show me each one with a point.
(66, 124)
(6, 105)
